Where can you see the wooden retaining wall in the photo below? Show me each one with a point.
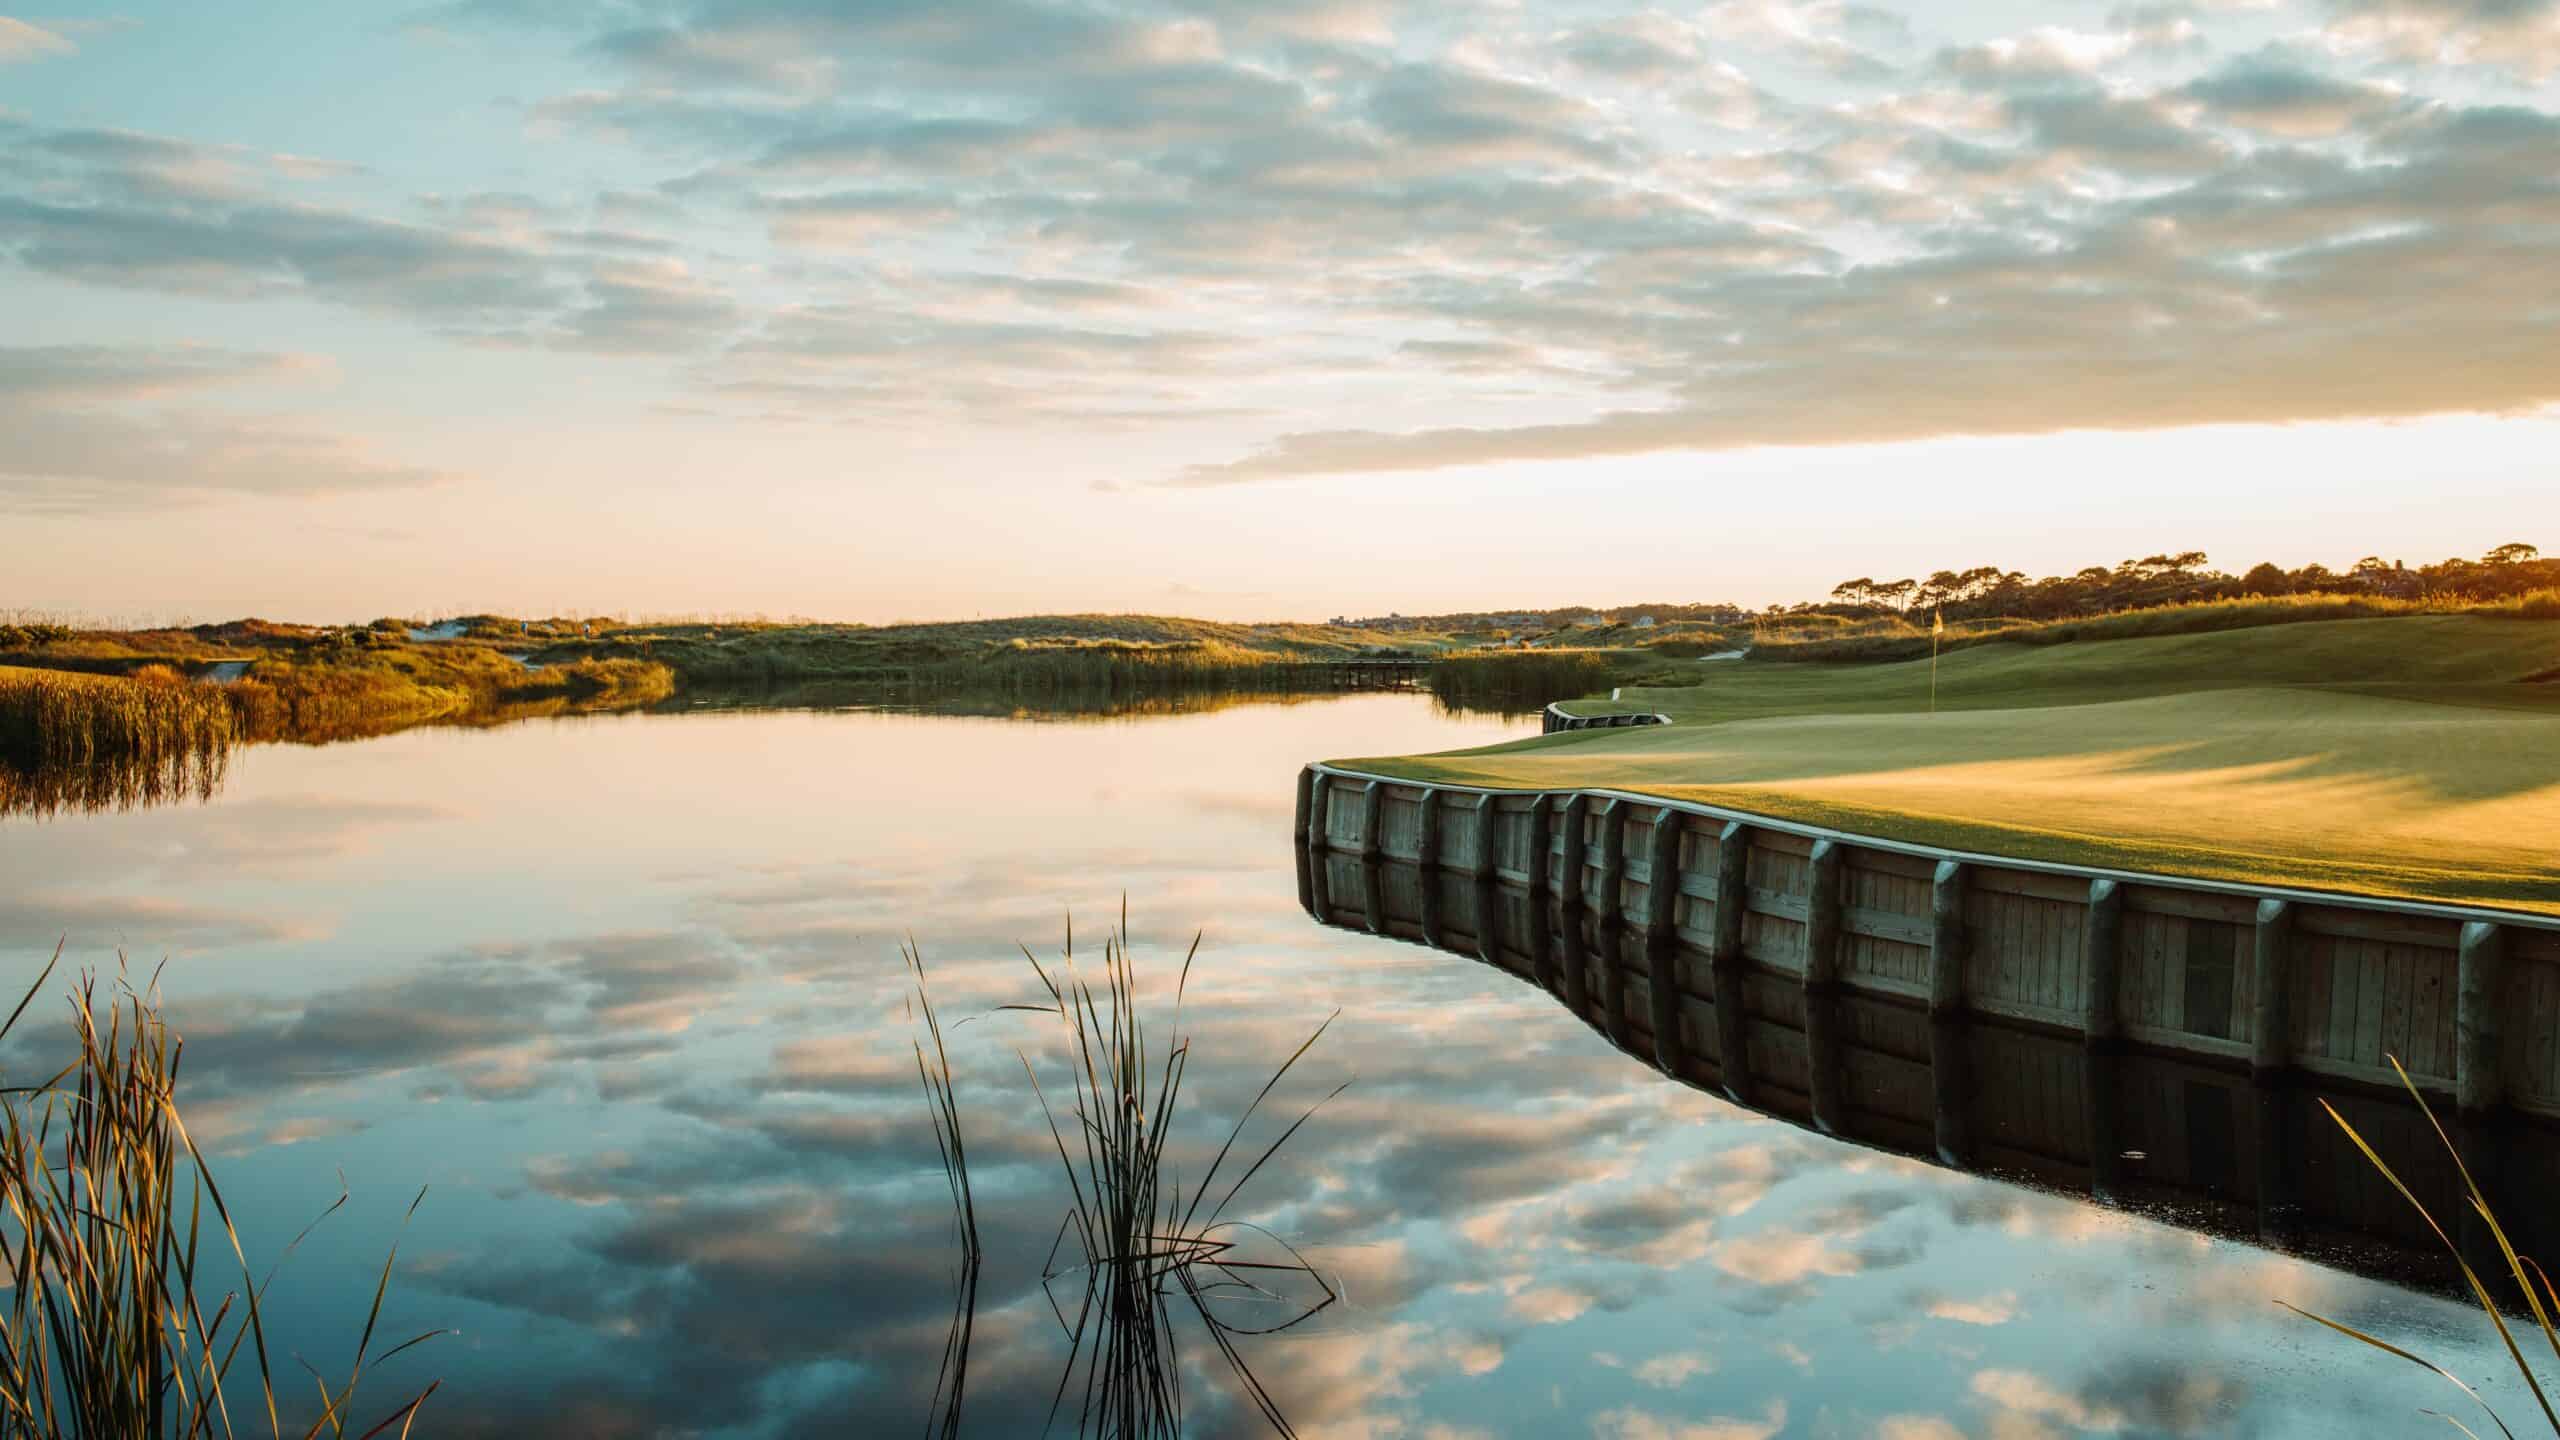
(1685, 920)
(2189, 1134)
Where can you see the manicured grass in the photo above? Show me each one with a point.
(2391, 757)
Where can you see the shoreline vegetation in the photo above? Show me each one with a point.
(91, 717)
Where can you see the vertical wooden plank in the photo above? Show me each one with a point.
(2479, 1076)
(1946, 939)
(1319, 809)
(1822, 918)
(2273, 947)
(1374, 796)
(2369, 994)
(2345, 974)
(2102, 956)
(1488, 835)
(2397, 984)
(1427, 844)
(1307, 782)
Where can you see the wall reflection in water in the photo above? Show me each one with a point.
(2203, 1146)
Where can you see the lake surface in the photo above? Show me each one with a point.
(625, 993)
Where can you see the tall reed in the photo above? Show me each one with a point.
(65, 718)
(1135, 1242)
(112, 1232)
(1519, 679)
(2541, 1301)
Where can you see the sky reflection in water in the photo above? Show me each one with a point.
(625, 991)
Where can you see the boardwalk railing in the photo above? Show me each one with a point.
(1705, 908)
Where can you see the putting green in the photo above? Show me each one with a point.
(2431, 775)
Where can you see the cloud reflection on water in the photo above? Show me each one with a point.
(648, 1043)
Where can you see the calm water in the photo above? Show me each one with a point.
(626, 994)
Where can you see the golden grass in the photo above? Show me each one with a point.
(131, 1310)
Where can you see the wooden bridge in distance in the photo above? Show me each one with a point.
(1376, 672)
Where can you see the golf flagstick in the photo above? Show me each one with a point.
(1937, 627)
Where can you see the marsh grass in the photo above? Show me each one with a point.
(113, 1236)
(2532, 1284)
(1519, 679)
(1138, 1257)
(65, 718)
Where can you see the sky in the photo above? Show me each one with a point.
(884, 309)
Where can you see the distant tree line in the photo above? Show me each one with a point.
(1988, 590)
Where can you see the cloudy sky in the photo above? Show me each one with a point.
(884, 308)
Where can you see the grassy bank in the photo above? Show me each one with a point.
(2403, 757)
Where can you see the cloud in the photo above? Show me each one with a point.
(2521, 37)
(91, 430)
(2271, 93)
(22, 40)
(1633, 1424)
(146, 926)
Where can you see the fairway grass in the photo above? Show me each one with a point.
(2383, 757)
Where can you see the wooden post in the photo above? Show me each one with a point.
(1430, 905)
(1733, 1033)
(1951, 1091)
(2279, 1173)
(1569, 853)
(1822, 918)
(2479, 1067)
(1319, 810)
(1488, 834)
(1661, 944)
(1541, 827)
(1320, 885)
(1307, 862)
(1427, 844)
(2272, 1046)
(1733, 860)
(1613, 859)
(1609, 924)
(1489, 922)
(2102, 961)
(2104, 1115)
(1946, 940)
(1373, 895)
(1573, 957)
(1823, 1062)
(1374, 795)
(1724, 960)
(1306, 804)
